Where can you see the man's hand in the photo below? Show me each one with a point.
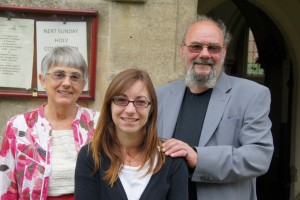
(176, 148)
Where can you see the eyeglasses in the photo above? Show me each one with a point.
(197, 48)
(60, 76)
(124, 101)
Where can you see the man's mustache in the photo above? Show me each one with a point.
(202, 61)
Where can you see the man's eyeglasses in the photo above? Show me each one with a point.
(124, 101)
(60, 76)
(197, 48)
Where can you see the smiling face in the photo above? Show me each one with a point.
(129, 120)
(203, 66)
(63, 92)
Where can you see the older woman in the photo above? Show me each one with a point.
(124, 161)
(39, 149)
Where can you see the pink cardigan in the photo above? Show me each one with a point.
(26, 152)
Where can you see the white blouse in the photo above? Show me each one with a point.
(134, 181)
(63, 161)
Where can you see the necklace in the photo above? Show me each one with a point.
(130, 159)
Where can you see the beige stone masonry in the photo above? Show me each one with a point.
(128, 0)
(131, 33)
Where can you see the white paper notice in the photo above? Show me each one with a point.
(16, 52)
(50, 34)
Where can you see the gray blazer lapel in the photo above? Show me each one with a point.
(171, 106)
(216, 107)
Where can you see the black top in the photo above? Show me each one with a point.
(189, 123)
(170, 183)
(191, 116)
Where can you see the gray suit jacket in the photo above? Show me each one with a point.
(236, 143)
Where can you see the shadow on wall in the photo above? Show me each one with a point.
(297, 197)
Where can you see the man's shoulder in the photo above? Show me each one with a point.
(245, 87)
(170, 85)
(243, 82)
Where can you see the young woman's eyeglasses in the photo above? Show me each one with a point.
(59, 76)
(124, 101)
(197, 48)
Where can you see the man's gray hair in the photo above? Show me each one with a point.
(219, 23)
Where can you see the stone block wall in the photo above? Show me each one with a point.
(131, 33)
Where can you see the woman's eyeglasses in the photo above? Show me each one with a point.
(59, 76)
(197, 48)
(124, 101)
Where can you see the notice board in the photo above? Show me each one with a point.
(27, 34)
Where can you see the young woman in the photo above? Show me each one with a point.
(124, 160)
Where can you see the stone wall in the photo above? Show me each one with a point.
(131, 33)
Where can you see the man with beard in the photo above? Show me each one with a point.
(219, 123)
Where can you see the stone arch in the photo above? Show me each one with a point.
(283, 16)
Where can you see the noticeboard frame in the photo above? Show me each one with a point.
(49, 14)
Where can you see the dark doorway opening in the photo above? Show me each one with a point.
(240, 17)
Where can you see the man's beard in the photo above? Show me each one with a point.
(194, 80)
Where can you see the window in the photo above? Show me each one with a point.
(253, 68)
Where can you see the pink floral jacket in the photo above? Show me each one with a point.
(26, 152)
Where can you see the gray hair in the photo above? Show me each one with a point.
(64, 56)
(219, 23)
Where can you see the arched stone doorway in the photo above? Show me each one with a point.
(240, 16)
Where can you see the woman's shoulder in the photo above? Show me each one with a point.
(86, 110)
(31, 115)
(87, 149)
(176, 160)
(88, 113)
(175, 163)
